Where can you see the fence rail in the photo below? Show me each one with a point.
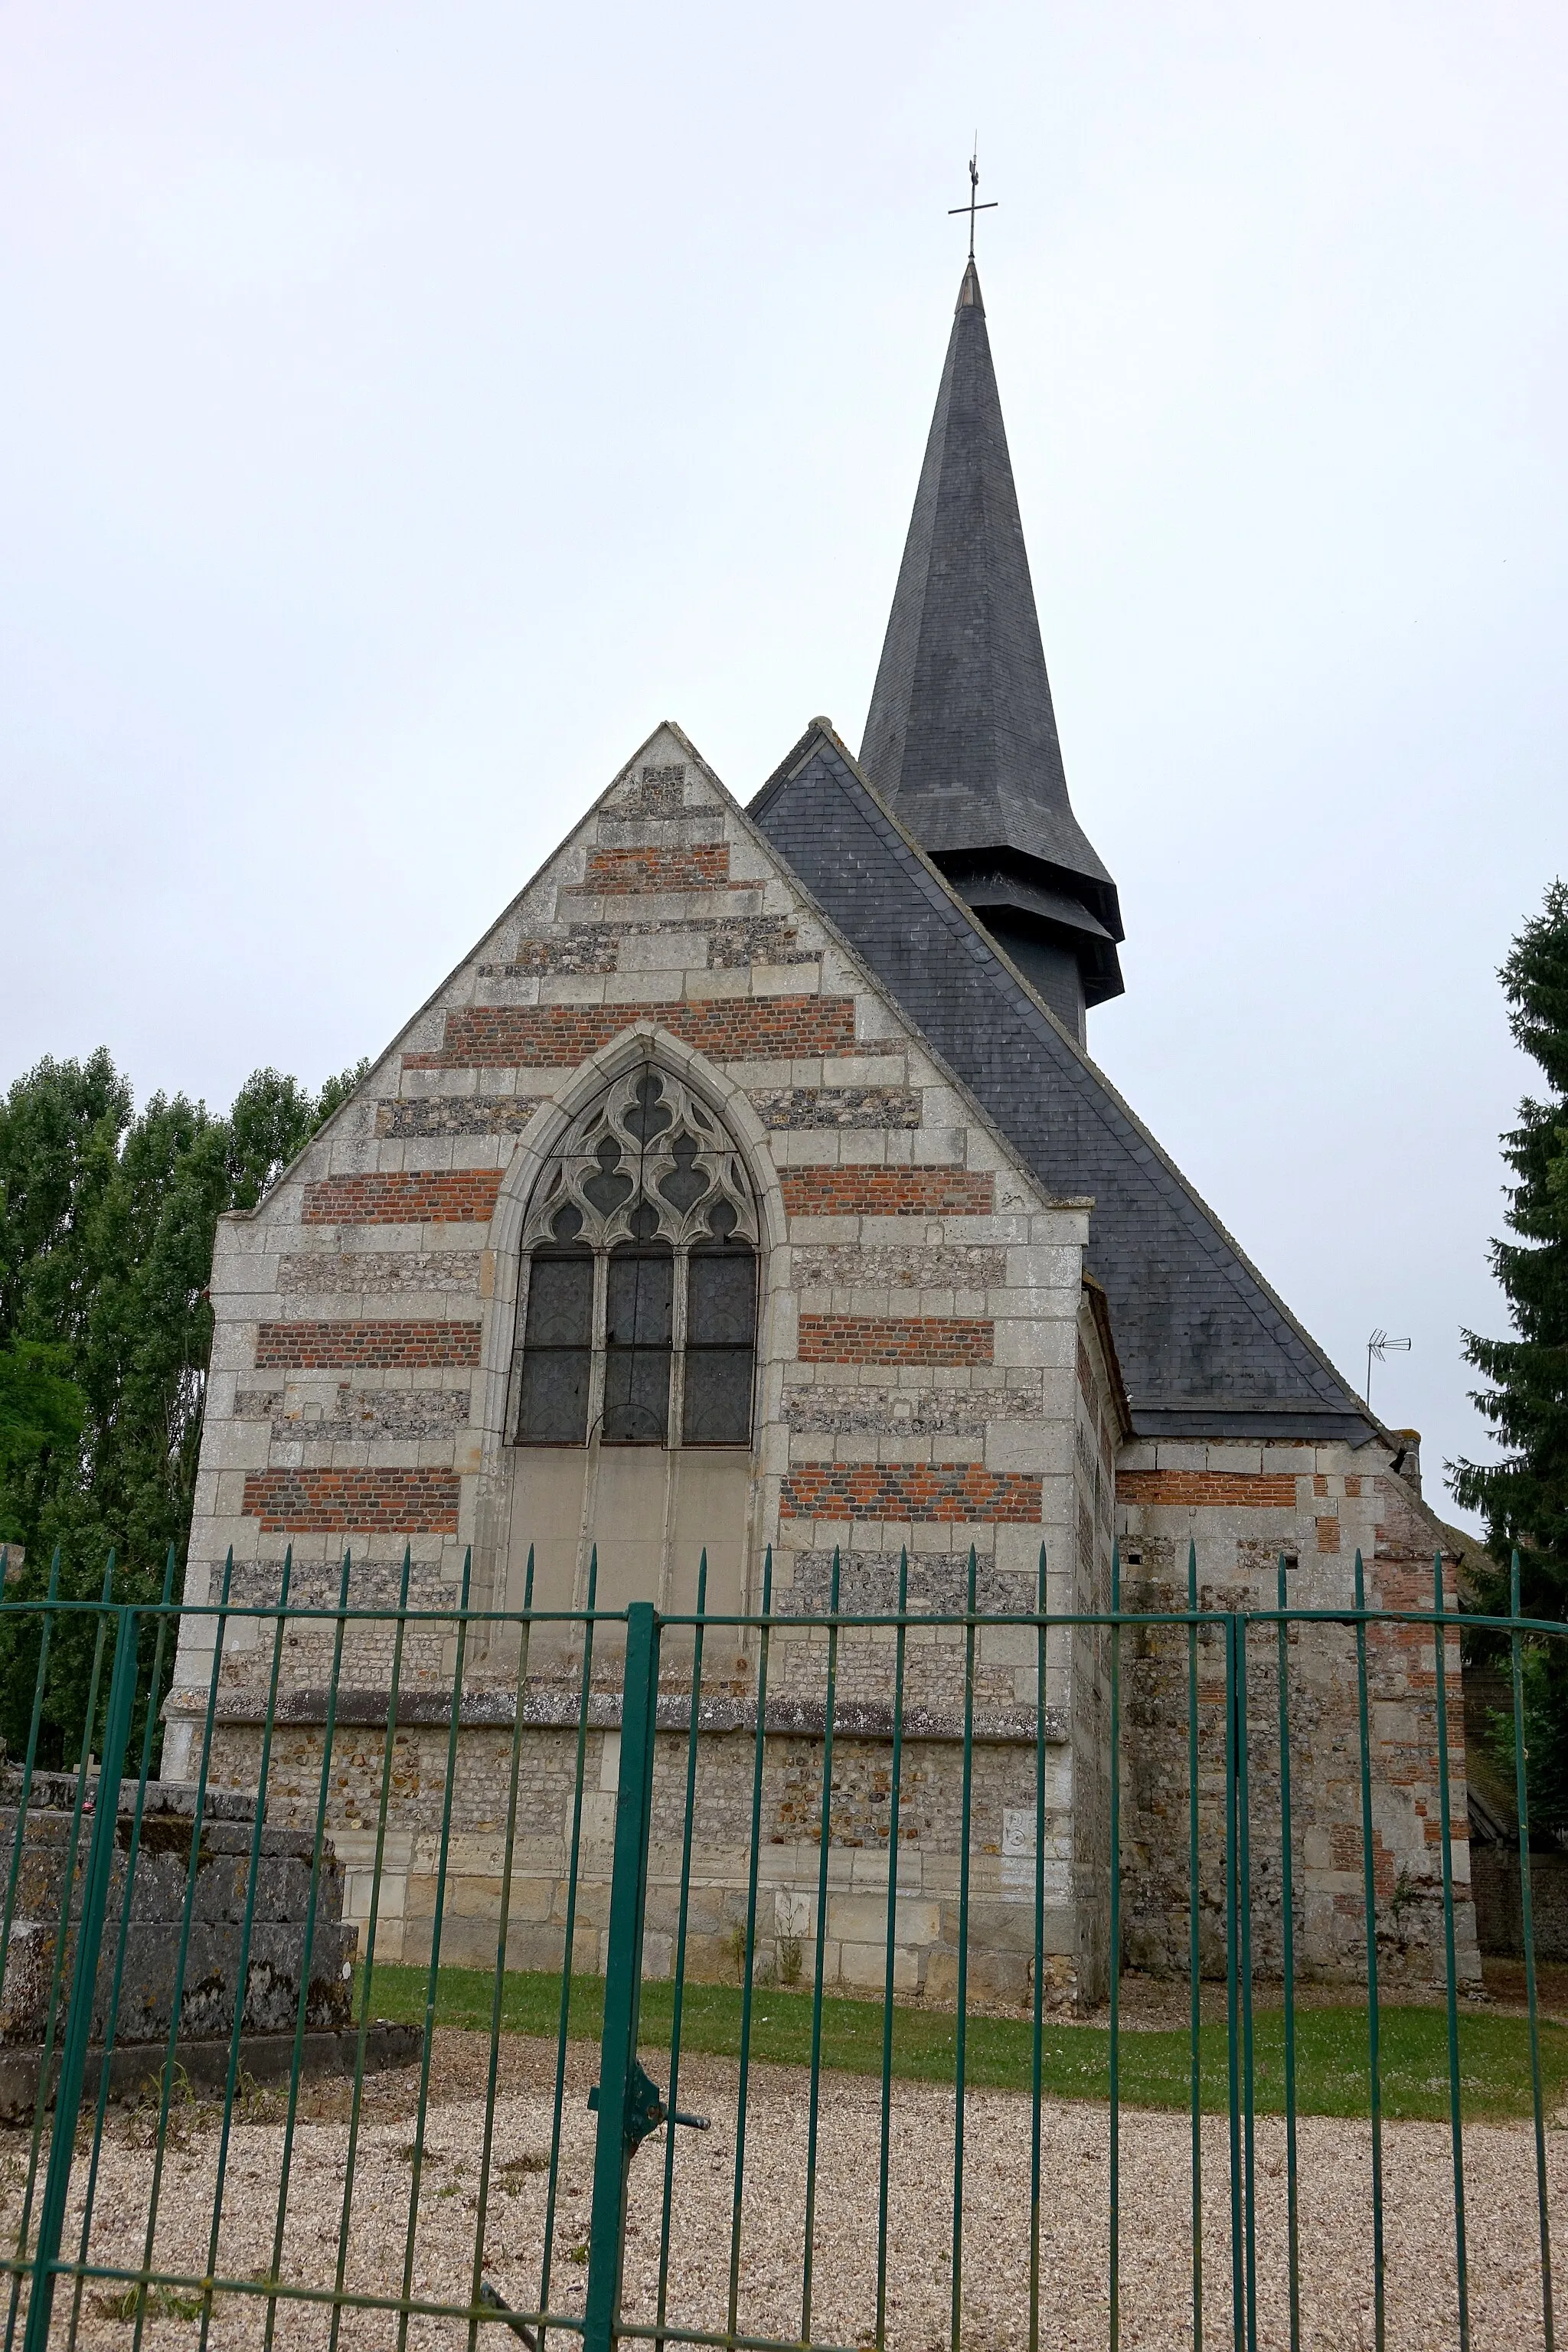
(342, 1971)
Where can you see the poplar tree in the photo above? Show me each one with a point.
(107, 1222)
(1522, 1497)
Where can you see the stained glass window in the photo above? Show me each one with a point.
(641, 1314)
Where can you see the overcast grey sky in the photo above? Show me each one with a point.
(408, 407)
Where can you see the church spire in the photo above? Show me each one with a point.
(961, 737)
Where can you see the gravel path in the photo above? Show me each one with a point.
(1336, 2263)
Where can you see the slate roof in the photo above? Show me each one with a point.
(962, 736)
(1206, 1348)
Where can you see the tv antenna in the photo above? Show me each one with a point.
(1381, 1346)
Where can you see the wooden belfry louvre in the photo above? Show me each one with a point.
(638, 1317)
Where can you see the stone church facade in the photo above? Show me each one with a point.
(748, 1192)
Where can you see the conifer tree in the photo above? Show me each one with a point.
(1523, 1496)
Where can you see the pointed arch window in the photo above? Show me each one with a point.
(638, 1318)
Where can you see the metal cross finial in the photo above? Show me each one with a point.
(972, 207)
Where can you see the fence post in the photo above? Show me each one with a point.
(623, 1979)
(84, 1981)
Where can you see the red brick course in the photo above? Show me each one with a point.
(1194, 1489)
(555, 1037)
(385, 1502)
(439, 1196)
(885, 1192)
(330, 1347)
(700, 865)
(949, 1491)
(895, 1339)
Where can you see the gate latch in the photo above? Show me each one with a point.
(646, 2109)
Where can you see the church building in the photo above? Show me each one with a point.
(750, 1191)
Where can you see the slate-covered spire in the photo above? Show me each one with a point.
(961, 737)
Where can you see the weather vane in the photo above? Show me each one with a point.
(973, 206)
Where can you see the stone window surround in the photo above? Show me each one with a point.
(563, 1180)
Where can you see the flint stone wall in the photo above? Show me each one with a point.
(926, 1916)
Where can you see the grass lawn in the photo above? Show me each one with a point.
(1330, 2045)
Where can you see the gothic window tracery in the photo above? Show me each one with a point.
(638, 1317)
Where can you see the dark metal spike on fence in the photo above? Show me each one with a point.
(177, 1999)
(519, 1692)
(492, 2300)
(24, 1796)
(960, 2038)
(367, 1965)
(894, 1794)
(1369, 1883)
(303, 2007)
(1115, 1986)
(454, 1714)
(111, 2022)
(1233, 2001)
(84, 1984)
(1455, 2117)
(584, 1694)
(825, 1842)
(242, 1970)
(1194, 1948)
(1288, 1933)
(1527, 1922)
(81, 1809)
(618, 2130)
(1037, 2041)
(679, 1959)
(1248, 2068)
(764, 1636)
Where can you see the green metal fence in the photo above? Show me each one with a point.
(872, 2192)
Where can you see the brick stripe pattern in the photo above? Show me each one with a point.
(439, 1196)
(887, 1193)
(697, 865)
(558, 1036)
(896, 1339)
(377, 1502)
(379, 1346)
(1197, 1489)
(947, 1491)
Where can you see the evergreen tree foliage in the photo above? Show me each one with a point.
(107, 1222)
(1523, 1496)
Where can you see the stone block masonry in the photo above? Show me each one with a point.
(373, 1502)
(896, 1339)
(384, 1345)
(957, 1492)
(862, 1191)
(558, 1036)
(459, 1196)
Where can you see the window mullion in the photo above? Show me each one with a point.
(597, 1332)
(675, 1436)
